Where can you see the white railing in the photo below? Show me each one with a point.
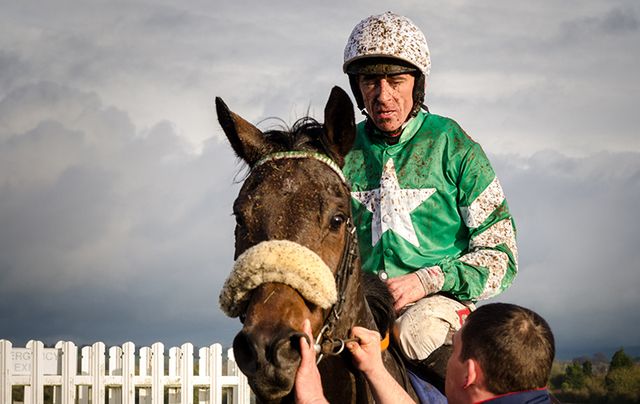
(118, 376)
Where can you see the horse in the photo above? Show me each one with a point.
(296, 257)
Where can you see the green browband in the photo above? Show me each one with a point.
(302, 155)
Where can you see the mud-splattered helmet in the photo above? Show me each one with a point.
(387, 44)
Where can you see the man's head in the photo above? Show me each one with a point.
(387, 98)
(501, 348)
(384, 50)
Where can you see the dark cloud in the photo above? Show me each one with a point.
(576, 228)
(621, 21)
(617, 21)
(566, 82)
(117, 233)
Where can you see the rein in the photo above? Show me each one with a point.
(325, 342)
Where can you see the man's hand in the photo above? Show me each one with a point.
(366, 352)
(405, 289)
(308, 385)
(368, 359)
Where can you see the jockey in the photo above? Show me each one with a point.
(431, 216)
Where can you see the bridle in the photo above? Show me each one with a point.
(326, 343)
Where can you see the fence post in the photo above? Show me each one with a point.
(211, 366)
(145, 370)
(85, 370)
(174, 354)
(157, 372)
(5, 371)
(186, 373)
(58, 391)
(115, 369)
(128, 370)
(232, 370)
(241, 393)
(98, 371)
(69, 371)
(203, 371)
(34, 394)
(215, 370)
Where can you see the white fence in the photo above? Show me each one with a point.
(119, 376)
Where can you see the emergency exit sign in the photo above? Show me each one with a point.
(22, 358)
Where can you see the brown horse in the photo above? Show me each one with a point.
(297, 256)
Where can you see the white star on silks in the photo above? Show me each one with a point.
(391, 206)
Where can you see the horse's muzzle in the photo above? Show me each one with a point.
(269, 361)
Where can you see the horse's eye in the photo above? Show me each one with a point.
(337, 221)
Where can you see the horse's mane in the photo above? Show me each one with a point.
(380, 302)
(305, 134)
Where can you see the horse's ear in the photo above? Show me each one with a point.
(340, 124)
(246, 140)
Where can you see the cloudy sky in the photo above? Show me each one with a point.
(116, 182)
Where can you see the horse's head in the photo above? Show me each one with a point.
(293, 234)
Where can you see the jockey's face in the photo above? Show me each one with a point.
(387, 98)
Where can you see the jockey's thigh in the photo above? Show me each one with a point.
(428, 324)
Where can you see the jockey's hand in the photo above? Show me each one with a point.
(405, 289)
(308, 385)
(366, 352)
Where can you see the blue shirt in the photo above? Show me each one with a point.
(540, 396)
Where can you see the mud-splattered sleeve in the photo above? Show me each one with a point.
(489, 264)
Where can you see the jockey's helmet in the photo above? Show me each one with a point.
(387, 44)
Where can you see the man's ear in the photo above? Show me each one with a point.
(474, 374)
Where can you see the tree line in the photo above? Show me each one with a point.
(594, 380)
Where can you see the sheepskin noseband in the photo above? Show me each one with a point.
(281, 261)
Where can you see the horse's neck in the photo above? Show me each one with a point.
(392, 361)
(342, 383)
(356, 310)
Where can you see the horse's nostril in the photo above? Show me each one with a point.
(287, 350)
(245, 353)
(295, 340)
